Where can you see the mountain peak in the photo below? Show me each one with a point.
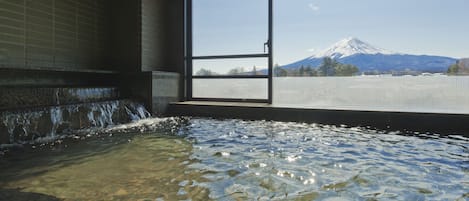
(350, 46)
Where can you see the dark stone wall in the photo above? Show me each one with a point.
(445, 124)
(55, 34)
(89, 43)
(116, 35)
(136, 86)
(28, 97)
(162, 35)
(25, 126)
(156, 89)
(176, 30)
(125, 35)
(165, 89)
(155, 35)
(46, 78)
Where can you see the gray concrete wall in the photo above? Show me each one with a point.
(162, 54)
(126, 35)
(136, 86)
(20, 88)
(156, 89)
(118, 35)
(176, 36)
(162, 35)
(28, 97)
(68, 43)
(154, 35)
(64, 34)
(43, 78)
(165, 89)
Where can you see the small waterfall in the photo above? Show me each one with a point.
(137, 112)
(29, 126)
(56, 118)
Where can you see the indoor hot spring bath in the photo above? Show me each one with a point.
(211, 159)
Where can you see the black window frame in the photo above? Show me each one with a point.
(189, 58)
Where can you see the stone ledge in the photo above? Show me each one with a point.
(446, 124)
(29, 97)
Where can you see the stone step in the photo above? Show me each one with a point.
(29, 125)
(12, 98)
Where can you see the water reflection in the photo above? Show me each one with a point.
(202, 159)
(17, 195)
(276, 160)
(121, 167)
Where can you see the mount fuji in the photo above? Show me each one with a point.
(372, 59)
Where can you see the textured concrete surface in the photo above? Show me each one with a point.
(50, 34)
(22, 97)
(165, 89)
(155, 89)
(50, 45)
(390, 121)
(21, 126)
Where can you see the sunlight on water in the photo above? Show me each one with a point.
(121, 167)
(202, 159)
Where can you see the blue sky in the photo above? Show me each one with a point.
(303, 27)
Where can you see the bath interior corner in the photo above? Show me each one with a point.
(71, 66)
(62, 54)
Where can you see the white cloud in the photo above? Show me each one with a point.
(314, 7)
(311, 50)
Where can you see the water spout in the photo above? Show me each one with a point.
(29, 126)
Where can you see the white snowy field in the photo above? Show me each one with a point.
(434, 94)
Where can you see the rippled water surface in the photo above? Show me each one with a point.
(201, 159)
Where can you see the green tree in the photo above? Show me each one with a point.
(205, 72)
(346, 70)
(314, 73)
(301, 71)
(254, 70)
(327, 67)
(453, 69)
(279, 72)
(236, 71)
(310, 71)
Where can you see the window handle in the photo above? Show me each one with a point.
(266, 44)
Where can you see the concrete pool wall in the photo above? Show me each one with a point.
(434, 123)
(136, 47)
(81, 59)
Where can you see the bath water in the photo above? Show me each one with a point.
(210, 159)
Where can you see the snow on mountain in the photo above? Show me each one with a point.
(372, 59)
(348, 47)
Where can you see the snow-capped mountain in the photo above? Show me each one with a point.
(348, 47)
(372, 59)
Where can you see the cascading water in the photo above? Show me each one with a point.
(29, 126)
(19, 97)
(56, 118)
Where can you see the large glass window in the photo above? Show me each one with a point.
(368, 55)
(240, 89)
(231, 67)
(231, 51)
(372, 55)
(219, 26)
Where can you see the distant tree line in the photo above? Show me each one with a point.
(328, 67)
(205, 72)
(234, 71)
(459, 68)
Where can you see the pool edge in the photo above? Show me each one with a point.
(445, 124)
